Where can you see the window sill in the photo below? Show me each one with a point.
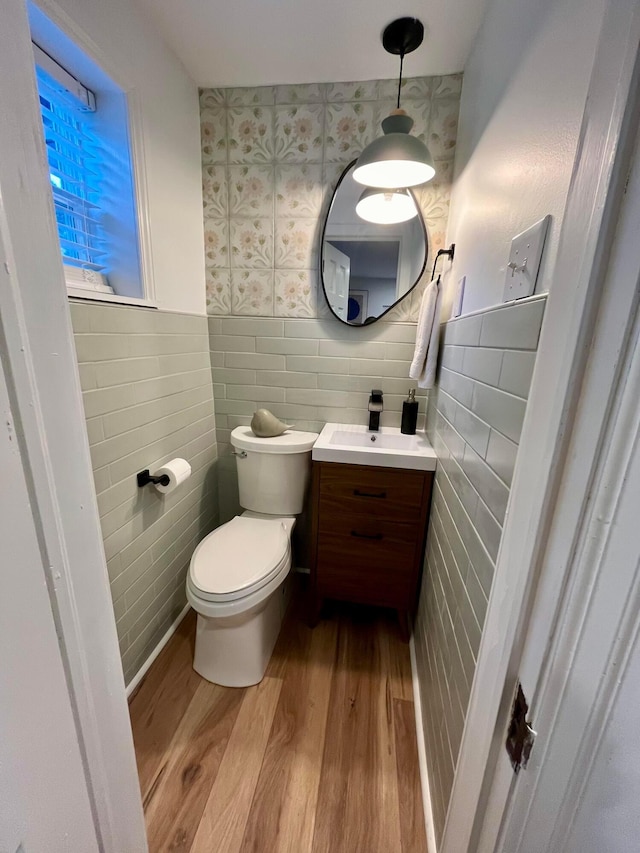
(96, 296)
(83, 284)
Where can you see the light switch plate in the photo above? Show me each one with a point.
(456, 308)
(524, 261)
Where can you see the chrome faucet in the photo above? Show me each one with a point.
(375, 407)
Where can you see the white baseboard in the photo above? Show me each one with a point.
(422, 753)
(140, 674)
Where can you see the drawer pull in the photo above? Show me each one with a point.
(360, 494)
(366, 535)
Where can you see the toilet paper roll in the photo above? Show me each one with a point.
(177, 470)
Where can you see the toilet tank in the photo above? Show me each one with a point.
(274, 474)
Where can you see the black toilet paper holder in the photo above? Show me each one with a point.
(144, 478)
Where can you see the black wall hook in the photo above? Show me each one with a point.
(450, 251)
(144, 478)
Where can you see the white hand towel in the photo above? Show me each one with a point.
(425, 357)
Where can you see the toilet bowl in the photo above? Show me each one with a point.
(237, 576)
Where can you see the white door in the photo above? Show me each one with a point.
(45, 805)
(533, 624)
(68, 777)
(581, 789)
(336, 267)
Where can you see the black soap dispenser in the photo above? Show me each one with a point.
(409, 414)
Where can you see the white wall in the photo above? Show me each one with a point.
(523, 97)
(124, 42)
(382, 293)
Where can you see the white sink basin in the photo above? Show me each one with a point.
(387, 448)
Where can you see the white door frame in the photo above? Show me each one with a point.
(576, 677)
(46, 399)
(593, 203)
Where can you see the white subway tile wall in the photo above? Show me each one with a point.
(147, 391)
(474, 421)
(271, 158)
(308, 372)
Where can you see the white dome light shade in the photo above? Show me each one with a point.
(386, 208)
(392, 174)
(395, 160)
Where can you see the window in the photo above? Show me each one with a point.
(85, 120)
(74, 154)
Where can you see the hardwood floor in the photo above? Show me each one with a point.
(320, 757)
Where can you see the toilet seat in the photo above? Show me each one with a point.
(239, 558)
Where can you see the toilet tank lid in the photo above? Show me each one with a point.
(291, 441)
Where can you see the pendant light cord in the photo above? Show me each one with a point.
(400, 80)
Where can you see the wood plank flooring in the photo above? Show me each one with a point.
(320, 757)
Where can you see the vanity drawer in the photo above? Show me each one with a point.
(359, 530)
(381, 492)
(367, 559)
(368, 529)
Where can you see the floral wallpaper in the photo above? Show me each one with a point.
(271, 158)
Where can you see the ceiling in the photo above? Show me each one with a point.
(264, 42)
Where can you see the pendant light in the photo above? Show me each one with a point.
(397, 159)
(385, 206)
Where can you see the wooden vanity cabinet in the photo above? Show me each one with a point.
(368, 528)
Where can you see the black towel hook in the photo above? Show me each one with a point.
(450, 251)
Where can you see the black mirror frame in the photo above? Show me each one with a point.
(321, 253)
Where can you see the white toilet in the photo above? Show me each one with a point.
(236, 576)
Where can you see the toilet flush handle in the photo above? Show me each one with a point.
(241, 453)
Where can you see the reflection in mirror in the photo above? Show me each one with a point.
(367, 267)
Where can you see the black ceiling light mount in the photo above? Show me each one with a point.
(397, 159)
(400, 37)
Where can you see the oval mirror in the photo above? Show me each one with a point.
(367, 267)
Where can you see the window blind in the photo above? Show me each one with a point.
(74, 155)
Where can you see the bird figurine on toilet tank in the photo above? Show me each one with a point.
(266, 425)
